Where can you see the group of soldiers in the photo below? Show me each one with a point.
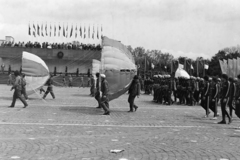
(207, 91)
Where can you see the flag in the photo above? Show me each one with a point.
(234, 68)
(42, 30)
(80, 30)
(152, 65)
(59, 30)
(238, 65)
(89, 32)
(67, 31)
(34, 27)
(50, 30)
(29, 30)
(34, 32)
(84, 32)
(76, 32)
(192, 66)
(230, 68)
(206, 66)
(174, 66)
(101, 31)
(222, 66)
(225, 65)
(46, 30)
(201, 67)
(55, 30)
(71, 31)
(97, 33)
(93, 33)
(63, 31)
(38, 30)
(188, 66)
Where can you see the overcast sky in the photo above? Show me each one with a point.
(190, 28)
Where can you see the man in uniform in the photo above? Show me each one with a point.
(49, 88)
(92, 88)
(104, 98)
(237, 97)
(134, 90)
(24, 83)
(232, 94)
(214, 90)
(17, 86)
(97, 94)
(225, 99)
(205, 98)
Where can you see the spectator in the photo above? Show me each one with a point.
(2, 68)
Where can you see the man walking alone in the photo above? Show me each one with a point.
(134, 90)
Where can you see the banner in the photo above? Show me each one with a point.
(234, 68)
(238, 66)
(230, 68)
(221, 63)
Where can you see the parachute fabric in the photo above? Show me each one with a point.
(35, 70)
(118, 64)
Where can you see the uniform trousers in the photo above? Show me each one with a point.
(18, 94)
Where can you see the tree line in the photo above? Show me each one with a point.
(158, 62)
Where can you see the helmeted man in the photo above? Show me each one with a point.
(237, 97)
(232, 95)
(205, 97)
(213, 96)
(225, 99)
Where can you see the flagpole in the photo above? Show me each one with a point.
(203, 68)
(145, 67)
(197, 69)
(185, 66)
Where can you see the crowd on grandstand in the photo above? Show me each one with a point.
(72, 46)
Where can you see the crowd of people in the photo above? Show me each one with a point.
(207, 91)
(69, 46)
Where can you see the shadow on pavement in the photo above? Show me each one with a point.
(83, 110)
(81, 95)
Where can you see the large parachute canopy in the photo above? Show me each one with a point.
(36, 71)
(118, 64)
(95, 66)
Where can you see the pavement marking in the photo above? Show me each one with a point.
(99, 125)
(76, 105)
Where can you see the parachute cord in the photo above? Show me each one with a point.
(38, 94)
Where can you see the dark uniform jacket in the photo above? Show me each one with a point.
(104, 87)
(225, 89)
(134, 89)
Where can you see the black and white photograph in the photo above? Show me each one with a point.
(120, 80)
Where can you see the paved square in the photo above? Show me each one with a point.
(71, 128)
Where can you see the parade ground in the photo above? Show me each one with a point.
(70, 127)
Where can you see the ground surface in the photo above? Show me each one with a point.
(71, 128)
